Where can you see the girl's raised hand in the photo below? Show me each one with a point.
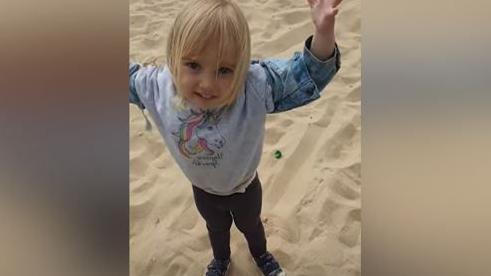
(323, 13)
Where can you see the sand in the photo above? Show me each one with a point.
(311, 196)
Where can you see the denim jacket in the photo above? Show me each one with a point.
(219, 151)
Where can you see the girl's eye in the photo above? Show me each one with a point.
(192, 65)
(224, 71)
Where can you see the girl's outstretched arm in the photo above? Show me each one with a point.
(323, 17)
(293, 82)
(144, 83)
(133, 96)
(146, 87)
(300, 80)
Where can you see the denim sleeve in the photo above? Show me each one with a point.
(299, 80)
(134, 98)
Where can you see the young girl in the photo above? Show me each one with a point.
(210, 103)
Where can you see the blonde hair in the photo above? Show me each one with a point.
(203, 20)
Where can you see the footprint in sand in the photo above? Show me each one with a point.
(345, 188)
(294, 16)
(273, 135)
(285, 230)
(350, 232)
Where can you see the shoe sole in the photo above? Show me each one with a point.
(282, 273)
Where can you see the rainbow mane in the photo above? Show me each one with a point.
(187, 129)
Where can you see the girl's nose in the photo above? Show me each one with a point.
(207, 81)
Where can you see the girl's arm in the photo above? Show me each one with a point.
(144, 88)
(134, 98)
(299, 80)
(144, 84)
(323, 17)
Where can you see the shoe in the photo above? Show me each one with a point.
(269, 266)
(218, 267)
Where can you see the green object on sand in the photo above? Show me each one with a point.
(277, 154)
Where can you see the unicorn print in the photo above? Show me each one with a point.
(198, 133)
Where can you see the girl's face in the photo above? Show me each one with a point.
(204, 82)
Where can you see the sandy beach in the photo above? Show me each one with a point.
(311, 196)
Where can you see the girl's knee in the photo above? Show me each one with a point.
(219, 227)
(250, 226)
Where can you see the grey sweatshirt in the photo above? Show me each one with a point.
(219, 150)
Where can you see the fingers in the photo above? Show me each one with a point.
(325, 4)
(335, 11)
(311, 2)
(336, 3)
(332, 3)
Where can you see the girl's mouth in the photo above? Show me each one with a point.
(205, 96)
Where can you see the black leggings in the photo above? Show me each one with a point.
(243, 208)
